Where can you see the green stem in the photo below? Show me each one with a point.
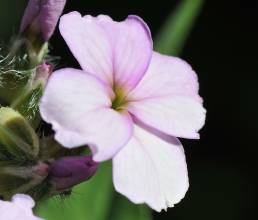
(173, 34)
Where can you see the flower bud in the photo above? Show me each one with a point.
(41, 17)
(27, 102)
(17, 138)
(69, 171)
(37, 26)
(43, 72)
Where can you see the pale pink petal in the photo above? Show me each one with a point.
(176, 116)
(151, 169)
(107, 131)
(69, 94)
(104, 130)
(19, 208)
(167, 98)
(89, 44)
(117, 52)
(167, 76)
(78, 107)
(132, 49)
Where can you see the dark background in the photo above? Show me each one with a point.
(222, 48)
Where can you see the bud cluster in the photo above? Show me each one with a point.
(31, 163)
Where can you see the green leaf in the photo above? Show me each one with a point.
(174, 32)
(91, 200)
(123, 209)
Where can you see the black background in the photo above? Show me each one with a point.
(222, 48)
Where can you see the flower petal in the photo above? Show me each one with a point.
(117, 52)
(104, 130)
(69, 94)
(19, 208)
(151, 169)
(176, 116)
(78, 107)
(107, 132)
(132, 50)
(167, 98)
(89, 44)
(167, 76)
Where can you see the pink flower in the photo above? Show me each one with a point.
(128, 103)
(19, 208)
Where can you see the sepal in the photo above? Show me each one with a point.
(17, 137)
(28, 102)
(21, 179)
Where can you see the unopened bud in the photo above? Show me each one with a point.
(43, 72)
(69, 171)
(16, 135)
(41, 17)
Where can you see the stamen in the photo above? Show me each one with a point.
(119, 101)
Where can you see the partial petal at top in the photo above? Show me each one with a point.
(43, 14)
(77, 105)
(167, 76)
(19, 208)
(117, 52)
(151, 169)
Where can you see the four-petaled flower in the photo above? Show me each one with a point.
(127, 103)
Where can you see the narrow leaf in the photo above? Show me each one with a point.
(174, 32)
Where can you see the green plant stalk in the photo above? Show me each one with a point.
(173, 34)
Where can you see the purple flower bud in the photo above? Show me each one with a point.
(41, 16)
(41, 169)
(43, 72)
(69, 171)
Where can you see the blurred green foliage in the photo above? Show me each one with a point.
(125, 210)
(176, 29)
(91, 200)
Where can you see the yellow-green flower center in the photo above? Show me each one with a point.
(119, 102)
